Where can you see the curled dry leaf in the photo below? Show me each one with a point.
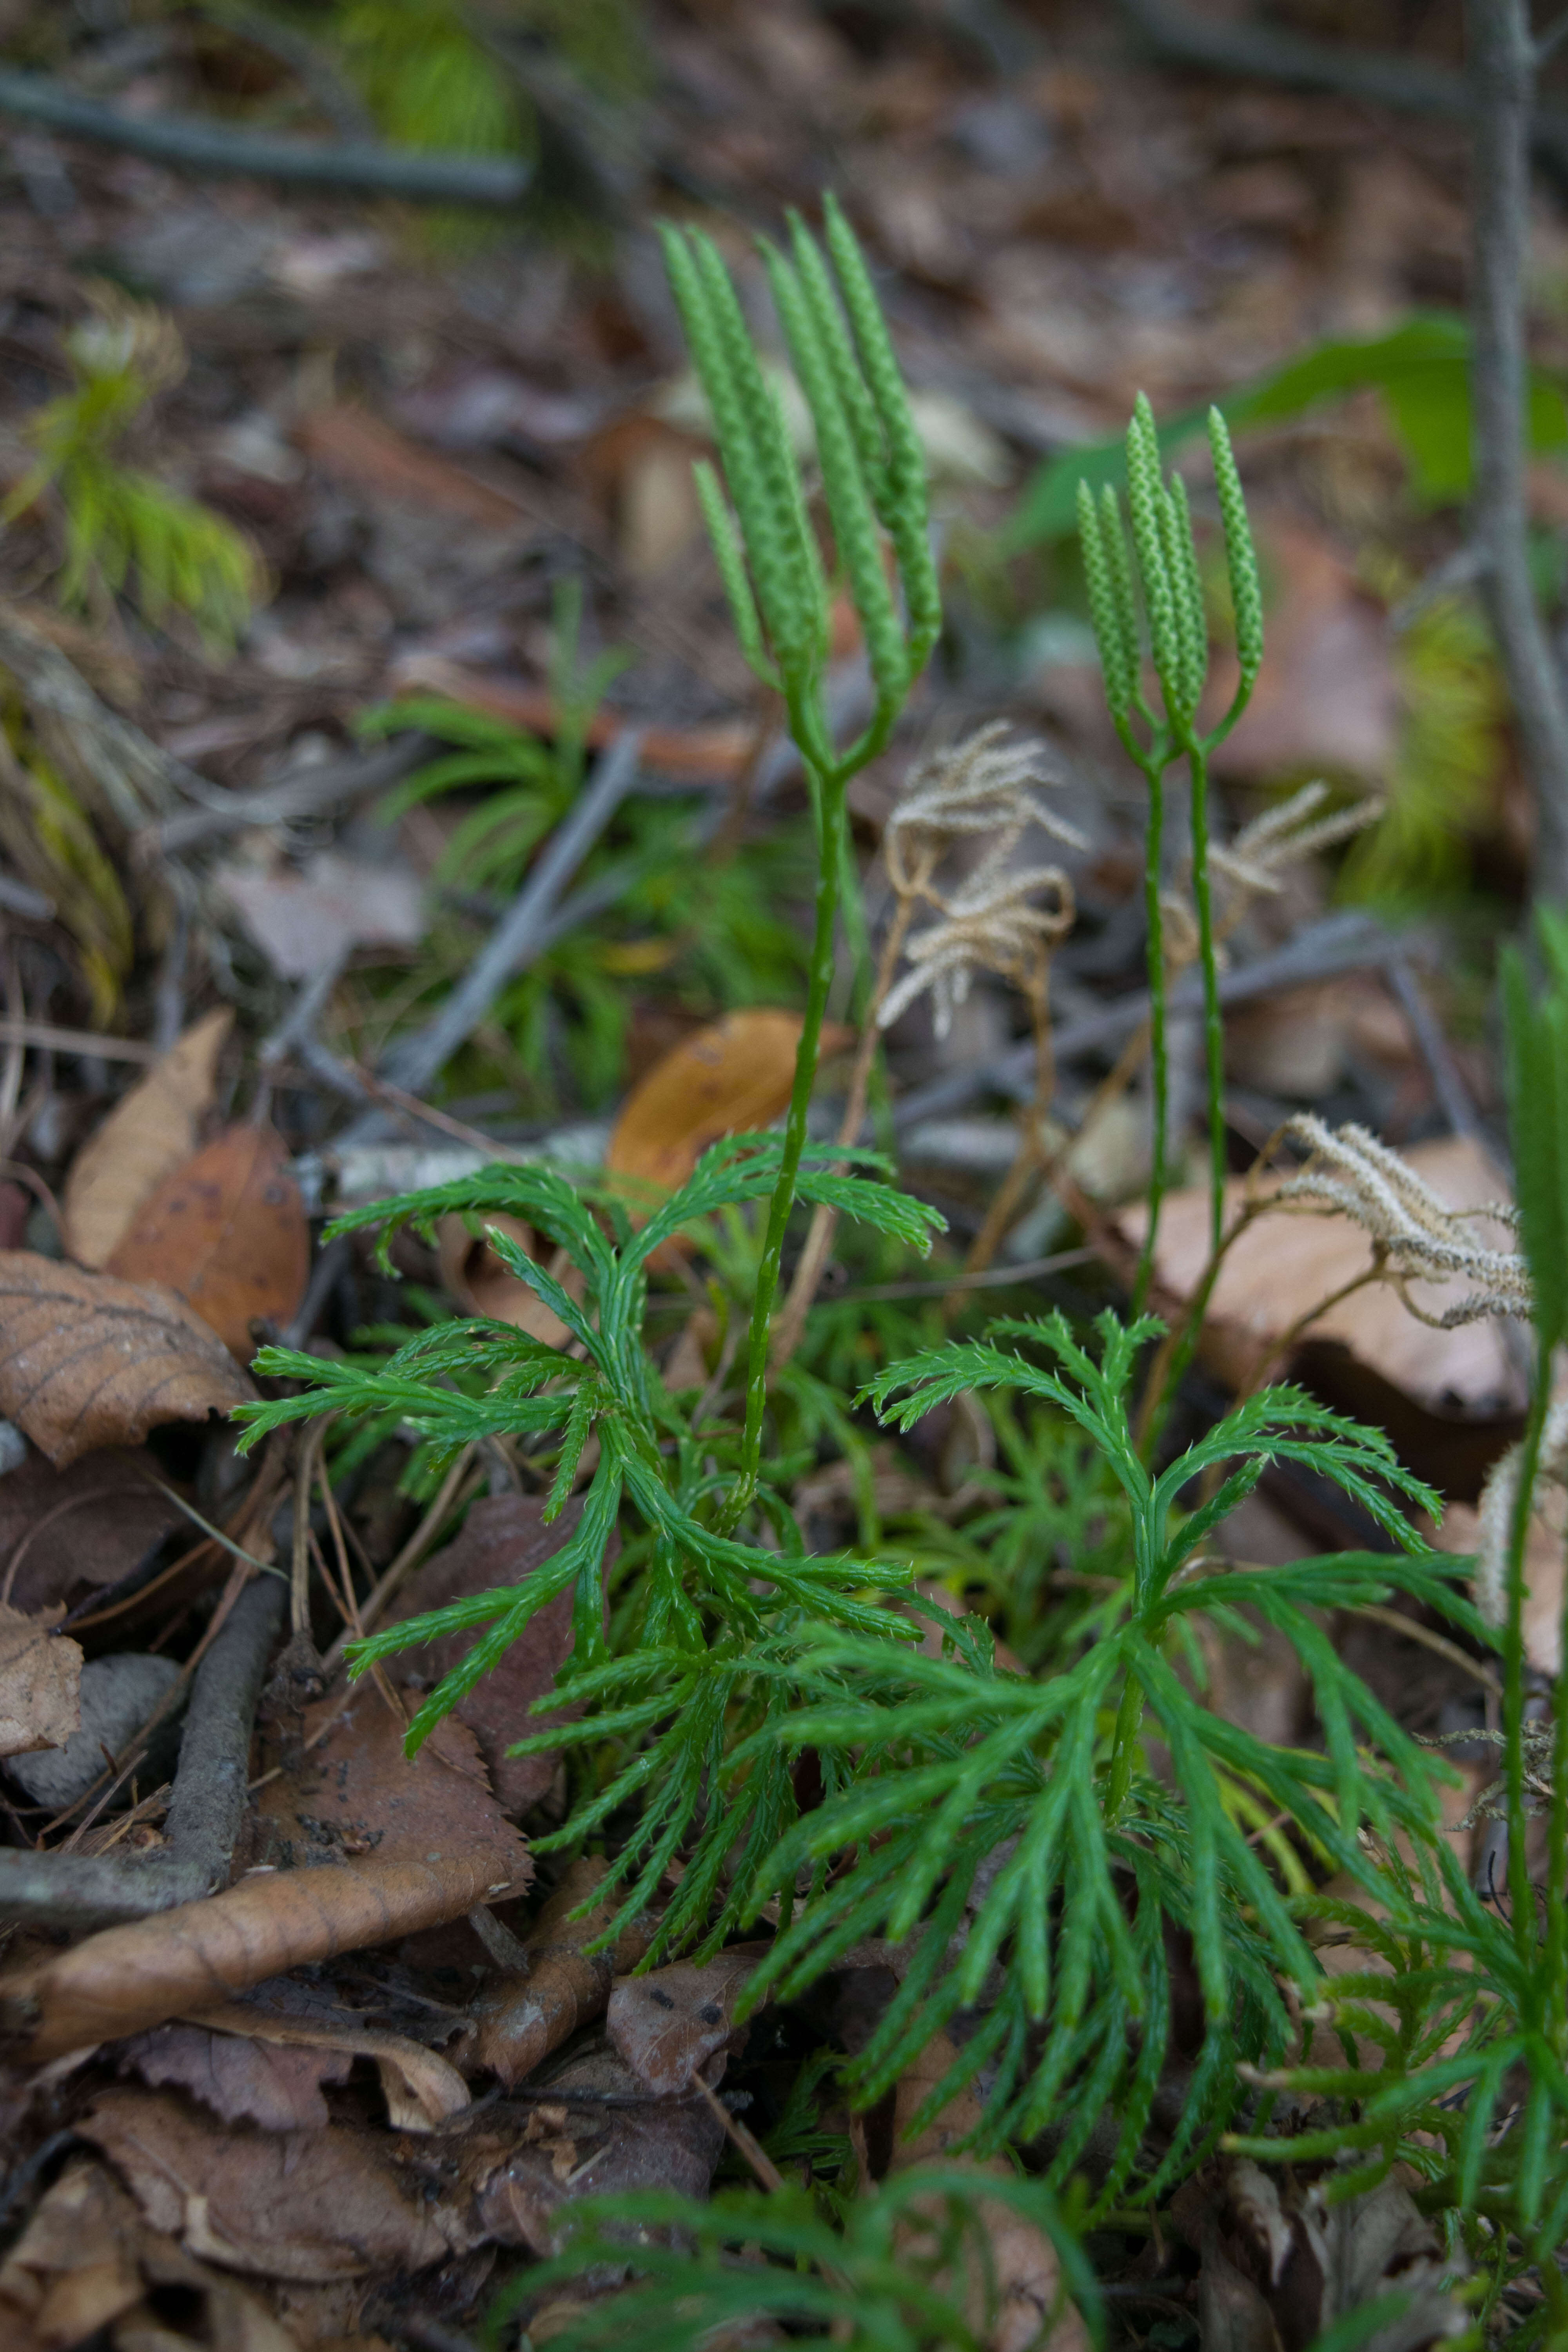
(678, 2023)
(88, 2260)
(483, 1284)
(727, 1079)
(303, 921)
(241, 2080)
(502, 1541)
(87, 1361)
(520, 2017)
(178, 1962)
(228, 1232)
(41, 1681)
(147, 1135)
(420, 2088)
(312, 2205)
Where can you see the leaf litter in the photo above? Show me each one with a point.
(478, 2069)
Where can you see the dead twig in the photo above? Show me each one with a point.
(220, 150)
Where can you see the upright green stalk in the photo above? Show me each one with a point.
(1177, 631)
(873, 483)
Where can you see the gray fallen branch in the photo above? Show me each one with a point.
(1347, 942)
(305, 790)
(514, 942)
(205, 1811)
(1380, 78)
(217, 149)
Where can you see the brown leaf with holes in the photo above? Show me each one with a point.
(503, 1540)
(729, 1078)
(41, 1681)
(88, 2260)
(228, 1232)
(147, 1135)
(520, 2017)
(87, 1361)
(311, 2205)
(677, 2023)
(242, 2081)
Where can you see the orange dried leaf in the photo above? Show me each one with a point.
(89, 1360)
(147, 1135)
(732, 1077)
(228, 1232)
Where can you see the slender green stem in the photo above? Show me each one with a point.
(1213, 1028)
(831, 799)
(1521, 1895)
(1159, 1066)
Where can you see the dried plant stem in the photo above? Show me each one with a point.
(409, 1558)
(1032, 1152)
(825, 1221)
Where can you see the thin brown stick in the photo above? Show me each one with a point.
(409, 1558)
(45, 1034)
(756, 2156)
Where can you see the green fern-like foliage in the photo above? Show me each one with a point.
(125, 531)
(718, 1621)
(946, 1763)
(913, 2270)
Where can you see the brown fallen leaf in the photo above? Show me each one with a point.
(727, 1079)
(421, 2089)
(87, 1361)
(311, 2205)
(64, 1531)
(594, 2136)
(228, 1232)
(483, 1284)
(242, 2081)
(88, 2260)
(358, 448)
(357, 1793)
(41, 1681)
(520, 2017)
(678, 2023)
(147, 1135)
(177, 1963)
(1009, 2297)
(1286, 1263)
(502, 1541)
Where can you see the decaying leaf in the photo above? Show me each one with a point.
(597, 2134)
(363, 449)
(179, 1962)
(41, 1681)
(727, 1079)
(311, 2205)
(228, 1232)
(242, 2080)
(304, 920)
(1289, 2260)
(483, 1284)
(502, 1541)
(147, 1135)
(86, 2260)
(1287, 1263)
(677, 2024)
(1010, 2297)
(1546, 1555)
(420, 2088)
(520, 2017)
(357, 1793)
(89, 1360)
(63, 1531)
